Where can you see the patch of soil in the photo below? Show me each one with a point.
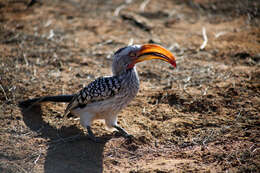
(202, 116)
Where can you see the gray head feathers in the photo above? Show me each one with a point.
(122, 58)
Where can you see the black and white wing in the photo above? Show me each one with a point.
(98, 90)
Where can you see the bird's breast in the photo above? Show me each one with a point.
(129, 87)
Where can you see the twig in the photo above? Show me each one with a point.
(20, 168)
(143, 110)
(184, 90)
(220, 34)
(118, 9)
(36, 160)
(128, 1)
(205, 91)
(205, 38)
(63, 90)
(131, 41)
(25, 59)
(67, 139)
(143, 5)
(51, 35)
(48, 23)
(34, 71)
(176, 111)
(174, 46)
(4, 92)
(250, 149)
(255, 150)
(238, 158)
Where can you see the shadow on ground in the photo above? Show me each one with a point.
(70, 153)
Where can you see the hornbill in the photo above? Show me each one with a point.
(106, 96)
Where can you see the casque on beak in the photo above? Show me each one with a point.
(153, 51)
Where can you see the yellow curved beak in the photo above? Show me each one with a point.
(153, 51)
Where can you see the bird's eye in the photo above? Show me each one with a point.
(132, 54)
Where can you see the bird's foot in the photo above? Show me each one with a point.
(93, 137)
(123, 132)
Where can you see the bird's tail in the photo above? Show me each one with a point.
(58, 98)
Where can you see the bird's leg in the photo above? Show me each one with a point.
(122, 131)
(92, 136)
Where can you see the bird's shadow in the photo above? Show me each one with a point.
(69, 149)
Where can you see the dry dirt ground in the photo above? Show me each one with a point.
(201, 117)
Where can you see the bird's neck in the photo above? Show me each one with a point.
(129, 75)
(130, 79)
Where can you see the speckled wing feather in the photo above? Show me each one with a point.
(98, 90)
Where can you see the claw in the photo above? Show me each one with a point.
(123, 132)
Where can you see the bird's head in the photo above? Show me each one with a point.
(125, 58)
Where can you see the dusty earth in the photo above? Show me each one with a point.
(201, 117)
